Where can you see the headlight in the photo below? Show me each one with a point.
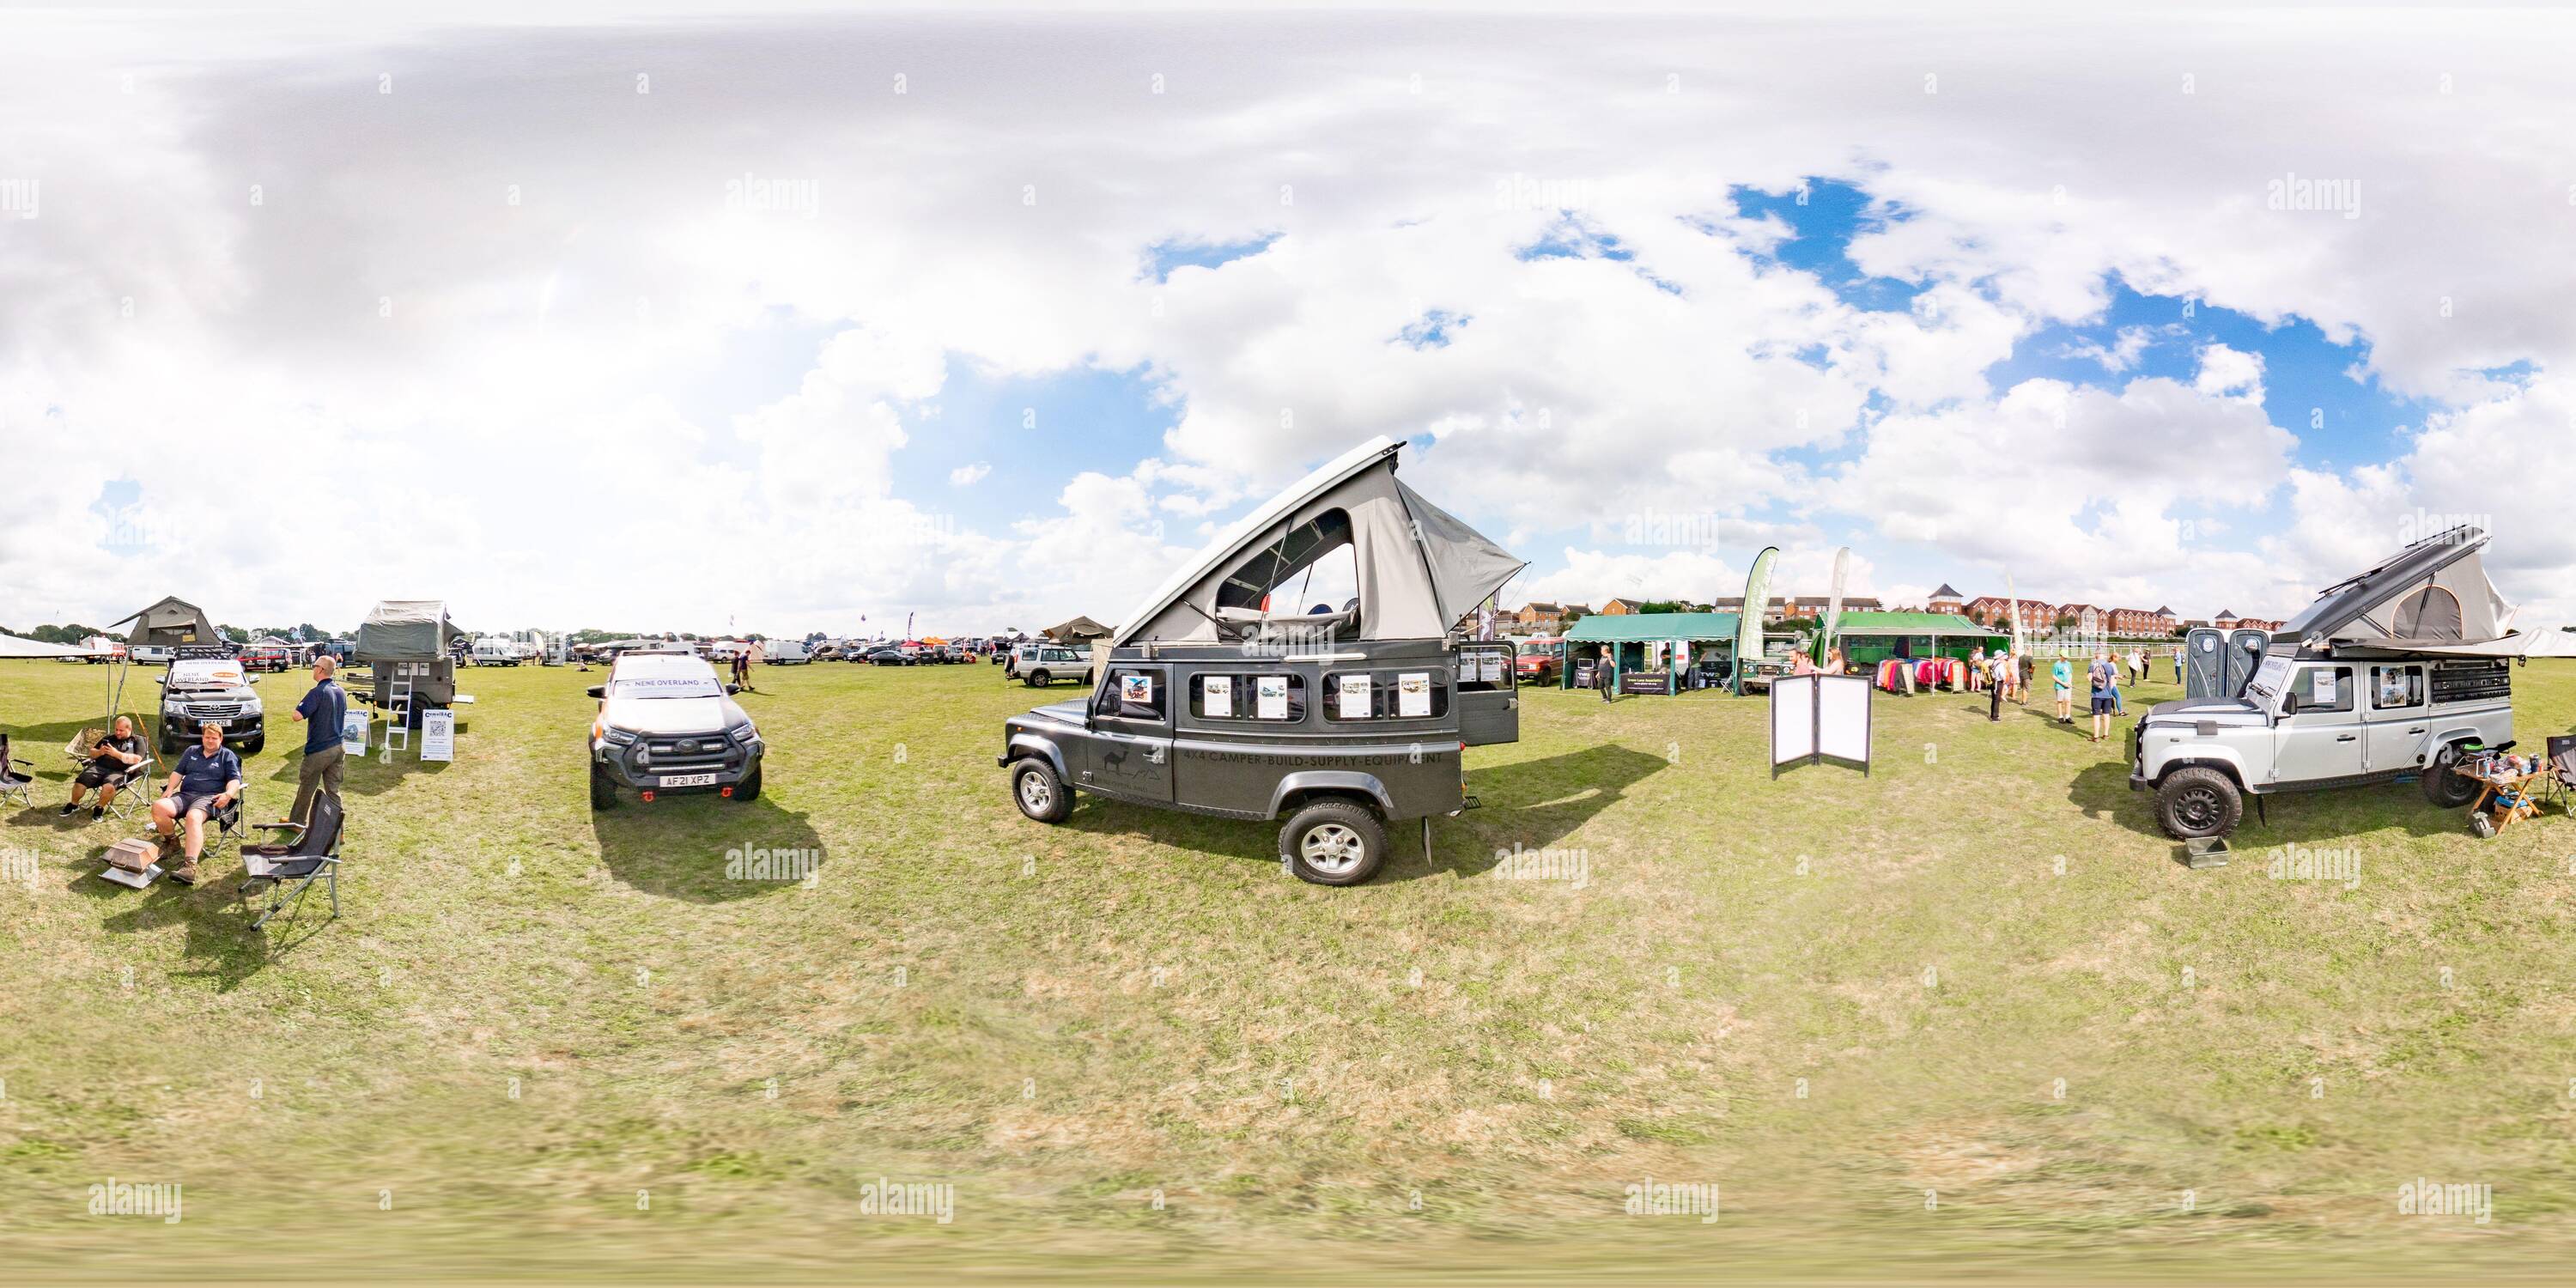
(252, 707)
(610, 733)
(745, 733)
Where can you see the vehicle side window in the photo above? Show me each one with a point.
(2396, 687)
(2312, 686)
(1245, 697)
(1132, 694)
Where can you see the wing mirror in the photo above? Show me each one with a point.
(599, 690)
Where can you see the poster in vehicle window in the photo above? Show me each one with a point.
(1355, 698)
(1216, 695)
(1270, 697)
(1136, 690)
(2321, 684)
(1413, 693)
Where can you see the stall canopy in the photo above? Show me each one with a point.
(169, 623)
(1419, 568)
(406, 630)
(1076, 631)
(2434, 593)
(16, 646)
(1918, 625)
(1654, 628)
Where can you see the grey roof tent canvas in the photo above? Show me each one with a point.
(170, 622)
(1419, 568)
(406, 630)
(2432, 594)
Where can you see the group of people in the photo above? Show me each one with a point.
(745, 660)
(207, 778)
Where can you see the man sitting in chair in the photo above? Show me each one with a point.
(116, 756)
(206, 780)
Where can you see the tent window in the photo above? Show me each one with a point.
(2430, 613)
(1275, 566)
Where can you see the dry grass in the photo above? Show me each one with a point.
(1826, 993)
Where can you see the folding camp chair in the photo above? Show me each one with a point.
(2557, 783)
(13, 783)
(288, 870)
(128, 785)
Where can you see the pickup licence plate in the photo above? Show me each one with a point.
(688, 780)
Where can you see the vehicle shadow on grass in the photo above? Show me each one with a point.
(2102, 791)
(1531, 803)
(706, 849)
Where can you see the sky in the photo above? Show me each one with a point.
(652, 318)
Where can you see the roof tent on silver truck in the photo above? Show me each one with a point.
(2434, 593)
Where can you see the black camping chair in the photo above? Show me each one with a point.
(289, 869)
(2558, 776)
(13, 783)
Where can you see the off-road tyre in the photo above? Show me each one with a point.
(1039, 791)
(1333, 842)
(2197, 801)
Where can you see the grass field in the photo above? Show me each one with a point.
(547, 1042)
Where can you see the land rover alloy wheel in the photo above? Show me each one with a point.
(1334, 843)
(2198, 801)
(1039, 793)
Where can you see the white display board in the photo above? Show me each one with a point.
(1216, 696)
(1814, 716)
(1355, 698)
(1842, 717)
(353, 733)
(1413, 694)
(1793, 719)
(438, 735)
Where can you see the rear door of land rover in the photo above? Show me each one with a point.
(1489, 701)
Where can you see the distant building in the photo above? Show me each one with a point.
(1620, 608)
(1945, 600)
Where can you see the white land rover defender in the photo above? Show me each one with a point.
(2389, 675)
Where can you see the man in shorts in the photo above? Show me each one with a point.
(208, 778)
(110, 762)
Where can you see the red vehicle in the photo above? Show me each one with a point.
(1540, 660)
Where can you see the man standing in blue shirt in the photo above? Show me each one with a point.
(323, 711)
(208, 778)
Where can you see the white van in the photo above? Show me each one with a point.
(495, 650)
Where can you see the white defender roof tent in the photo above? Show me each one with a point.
(405, 630)
(2430, 596)
(1420, 569)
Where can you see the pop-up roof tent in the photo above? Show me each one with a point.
(406, 630)
(1076, 631)
(1419, 568)
(169, 623)
(2432, 596)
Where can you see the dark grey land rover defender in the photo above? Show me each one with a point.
(1341, 722)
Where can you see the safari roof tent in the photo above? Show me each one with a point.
(1688, 647)
(410, 641)
(1341, 720)
(2432, 595)
(1079, 630)
(172, 623)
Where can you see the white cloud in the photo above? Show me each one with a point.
(970, 474)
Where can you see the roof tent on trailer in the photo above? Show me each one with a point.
(1419, 568)
(2432, 595)
(406, 630)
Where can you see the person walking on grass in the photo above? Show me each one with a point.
(2106, 693)
(2061, 677)
(2001, 679)
(323, 712)
(2177, 663)
(2025, 674)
